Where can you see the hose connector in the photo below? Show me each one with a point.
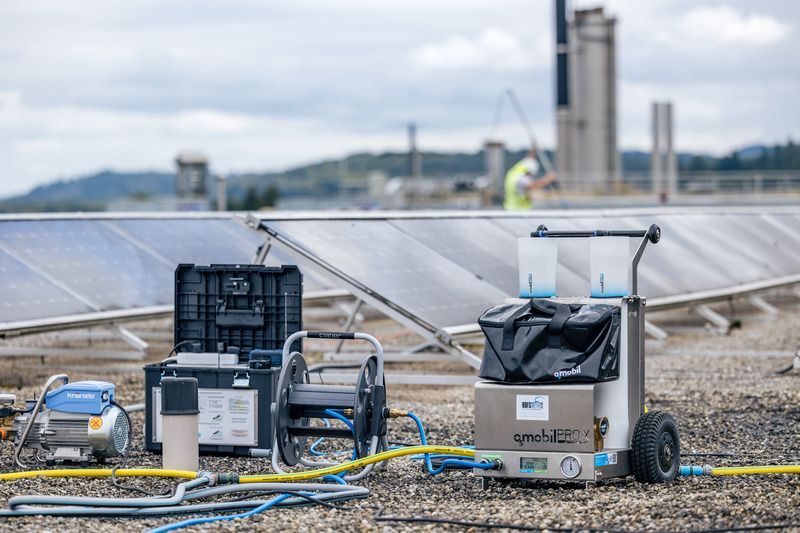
(210, 476)
(693, 470)
(396, 413)
(348, 413)
(230, 477)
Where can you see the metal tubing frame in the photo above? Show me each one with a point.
(655, 331)
(351, 318)
(723, 324)
(287, 345)
(81, 353)
(35, 413)
(763, 305)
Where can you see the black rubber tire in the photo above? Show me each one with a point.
(655, 448)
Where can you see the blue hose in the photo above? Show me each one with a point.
(195, 521)
(459, 463)
(339, 416)
(311, 449)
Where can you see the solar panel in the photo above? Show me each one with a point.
(781, 229)
(396, 266)
(206, 242)
(92, 260)
(201, 242)
(761, 243)
(27, 294)
(704, 254)
(476, 244)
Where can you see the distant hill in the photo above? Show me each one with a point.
(91, 193)
(326, 178)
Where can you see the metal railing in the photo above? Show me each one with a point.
(688, 183)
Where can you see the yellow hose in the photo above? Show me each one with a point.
(744, 470)
(99, 472)
(258, 478)
(358, 463)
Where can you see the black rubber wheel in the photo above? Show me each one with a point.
(655, 448)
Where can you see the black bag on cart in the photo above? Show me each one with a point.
(542, 341)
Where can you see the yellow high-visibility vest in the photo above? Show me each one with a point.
(514, 201)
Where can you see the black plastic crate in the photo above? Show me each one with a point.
(225, 308)
(230, 309)
(240, 379)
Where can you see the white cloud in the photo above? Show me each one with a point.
(50, 142)
(267, 85)
(493, 49)
(725, 25)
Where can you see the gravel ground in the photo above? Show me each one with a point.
(722, 404)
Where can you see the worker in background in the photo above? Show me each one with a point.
(522, 179)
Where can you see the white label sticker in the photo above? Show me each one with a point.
(533, 407)
(227, 417)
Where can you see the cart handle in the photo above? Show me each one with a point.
(651, 234)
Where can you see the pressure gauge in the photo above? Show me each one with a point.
(570, 466)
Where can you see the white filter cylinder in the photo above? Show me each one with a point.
(179, 435)
(610, 266)
(538, 258)
(179, 448)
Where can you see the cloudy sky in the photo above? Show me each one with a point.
(266, 85)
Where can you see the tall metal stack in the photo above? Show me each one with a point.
(586, 93)
(494, 161)
(663, 162)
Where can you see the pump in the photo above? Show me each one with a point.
(73, 422)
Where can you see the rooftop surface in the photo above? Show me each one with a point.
(734, 407)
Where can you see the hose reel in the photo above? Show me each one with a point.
(298, 401)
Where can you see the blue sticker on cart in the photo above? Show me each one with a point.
(605, 459)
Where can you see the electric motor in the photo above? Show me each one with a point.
(76, 436)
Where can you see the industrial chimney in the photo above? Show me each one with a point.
(586, 94)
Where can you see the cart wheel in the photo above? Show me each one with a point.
(656, 448)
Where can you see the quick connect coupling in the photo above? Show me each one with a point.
(692, 470)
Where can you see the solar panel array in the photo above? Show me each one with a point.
(447, 270)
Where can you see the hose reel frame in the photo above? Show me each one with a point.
(297, 401)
